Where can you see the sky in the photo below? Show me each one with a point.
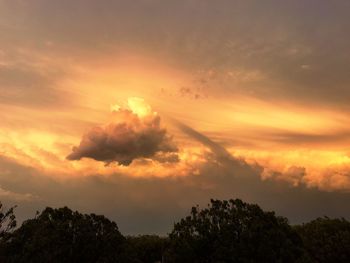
(139, 110)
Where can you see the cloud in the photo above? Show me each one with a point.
(216, 148)
(219, 152)
(294, 175)
(300, 138)
(33, 82)
(151, 205)
(242, 49)
(231, 41)
(134, 133)
(215, 174)
(6, 194)
(327, 177)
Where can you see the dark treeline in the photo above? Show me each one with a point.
(225, 231)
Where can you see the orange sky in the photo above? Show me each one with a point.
(266, 88)
(276, 135)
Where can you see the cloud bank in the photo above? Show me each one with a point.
(134, 133)
(152, 204)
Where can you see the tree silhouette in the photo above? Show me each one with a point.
(147, 248)
(7, 225)
(326, 240)
(233, 231)
(7, 221)
(224, 232)
(61, 235)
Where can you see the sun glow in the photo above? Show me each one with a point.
(139, 107)
(257, 129)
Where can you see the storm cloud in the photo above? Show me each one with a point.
(127, 138)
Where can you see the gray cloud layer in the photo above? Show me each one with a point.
(151, 205)
(128, 138)
(300, 49)
(25, 85)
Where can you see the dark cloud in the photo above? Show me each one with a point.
(168, 157)
(127, 138)
(151, 205)
(217, 149)
(294, 175)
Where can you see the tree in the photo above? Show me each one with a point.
(146, 248)
(7, 221)
(233, 231)
(61, 235)
(326, 240)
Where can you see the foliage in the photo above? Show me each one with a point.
(61, 235)
(326, 240)
(147, 248)
(7, 221)
(224, 232)
(233, 231)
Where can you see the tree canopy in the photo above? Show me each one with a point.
(147, 248)
(61, 235)
(228, 231)
(234, 231)
(7, 221)
(326, 240)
